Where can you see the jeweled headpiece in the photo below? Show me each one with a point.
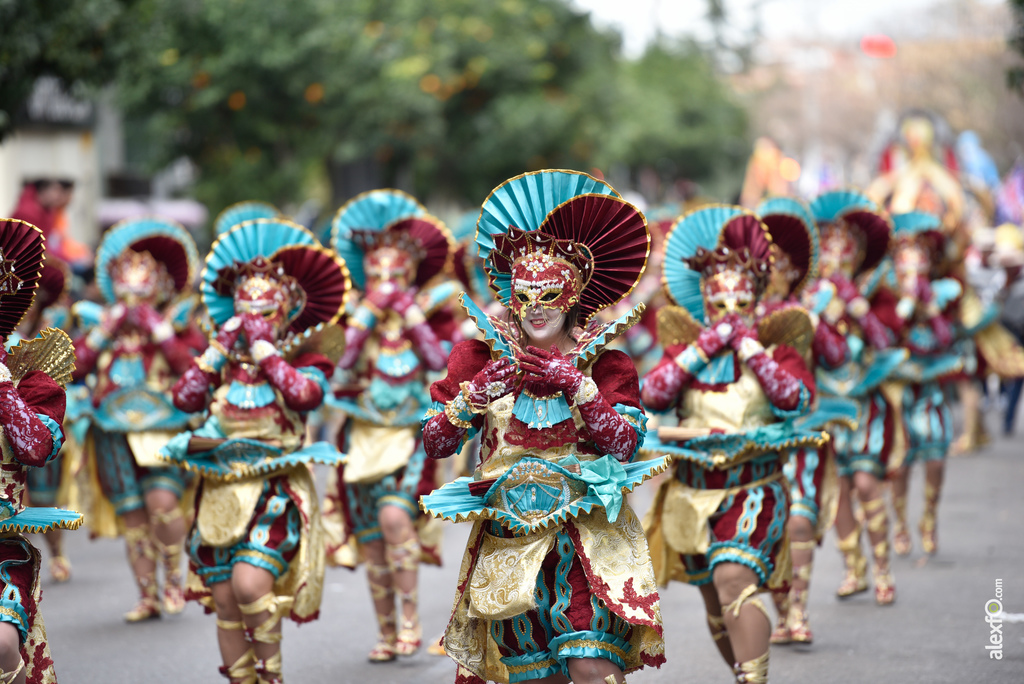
(850, 216)
(267, 262)
(718, 244)
(559, 239)
(389, 233)
(167, 244)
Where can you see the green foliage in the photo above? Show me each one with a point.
(78, 41)
(1015, 75)
(272, 99)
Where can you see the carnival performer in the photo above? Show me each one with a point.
(719, 522)
(854, 241)
(32, 376)
(395, 335)
(256, 546)
(556, 581)
(927, 306)
(52, 484)
(144, 340)
(811, 472)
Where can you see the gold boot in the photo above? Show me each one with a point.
(268, 633)
(140, 547)
(405, 557)
(929, 543)
(856, 580)
(901, 543)
(384, 651)
(752, 671)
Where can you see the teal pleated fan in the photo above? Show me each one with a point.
(700, 228)
(242, 212)
(525, 202)
(374, 210)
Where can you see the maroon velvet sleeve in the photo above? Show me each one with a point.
(616, 378)
(830, 348)
(299, 392)
(30, 440)
(85, 358)
(466, 360)
(663, 383)
(792, 363)
(43, 395)
(883, 305)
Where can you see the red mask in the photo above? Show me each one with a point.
(728, 292)
(389, 263)
(138, 277)
(541, 280)
(842, 249)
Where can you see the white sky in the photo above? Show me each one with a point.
(639, 20)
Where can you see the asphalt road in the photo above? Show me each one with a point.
(935, 632)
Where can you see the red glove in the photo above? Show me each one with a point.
(383, 297)
(943, 331)
(845, 290)
(257, 328)
(228, 334)
(552, 368)
(875, 331)
(710, 341)
(403, 301)
(494, 381)
(741, 333)
(924, 290)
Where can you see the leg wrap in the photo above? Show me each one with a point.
(716, 623)
(753, 671)
(745, 595)
(9, 677)
(856, 565)
(263, 632)
(404, 556)
(268, 670)
(141, 552)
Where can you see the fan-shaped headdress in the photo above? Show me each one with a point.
(54, 281)
(280, 256)
(793, 231)
(853, 210)
(390, 218)
(565, 226)
(709, 240)
(241, 212)
(165, 241)
(21, 261)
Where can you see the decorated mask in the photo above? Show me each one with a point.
(138, 277)
(540, 280)
(390, 263)
(912, 262)
(729, 292)
(262, 287)
(842, 249)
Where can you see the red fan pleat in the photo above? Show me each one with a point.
(790, 235)
(617, 237)
(433, 238)
(747, 231)
(22, 246)
(460, 267)
(876, 231)
(322, 277)
(170, 253)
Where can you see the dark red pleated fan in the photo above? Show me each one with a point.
(876, 231)
(171, 254)
(434, 241)
(460, 267)
(790, 235)
(746, 230)
(54, 280)
(323, 278)
(616, 235)
(22, 247)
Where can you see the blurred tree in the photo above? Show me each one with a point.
(77, 41)
(449, 97)
(1015, 75)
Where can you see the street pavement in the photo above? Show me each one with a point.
(935, 632)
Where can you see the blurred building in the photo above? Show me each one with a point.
(833, 104)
